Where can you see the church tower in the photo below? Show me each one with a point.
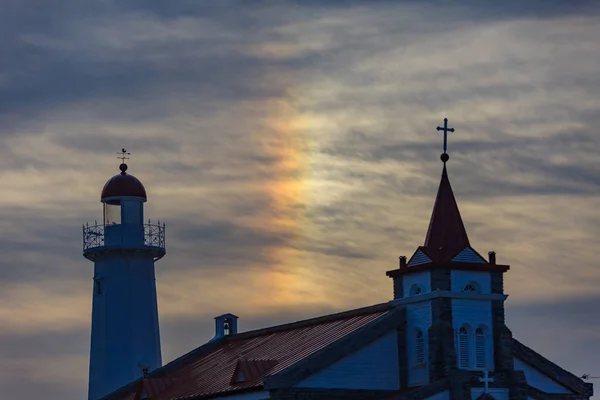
(454, 305)
(125, 340)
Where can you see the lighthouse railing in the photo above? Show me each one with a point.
(154, 235)
(93, 235)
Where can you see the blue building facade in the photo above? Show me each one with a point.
(443, 336)
(125, 337)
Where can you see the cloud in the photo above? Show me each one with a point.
(291, 150)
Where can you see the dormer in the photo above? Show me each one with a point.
(225, 325)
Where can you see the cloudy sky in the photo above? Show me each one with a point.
(291, 149)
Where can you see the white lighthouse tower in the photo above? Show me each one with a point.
(125, 342)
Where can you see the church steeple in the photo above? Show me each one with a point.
(454, 299)
(446, 241)
(446, 244)
(446, 235)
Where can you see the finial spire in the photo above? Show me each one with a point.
(445, 155)
(123, 156)
(446, 235)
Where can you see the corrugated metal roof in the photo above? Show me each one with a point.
(267, 351)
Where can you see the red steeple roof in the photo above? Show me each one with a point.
(446, 235)
(446, 244)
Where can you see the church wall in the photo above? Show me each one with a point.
(472, 312)
(374, 367)
(461, 278)
(475, 313)
(497, 393)
(398, 289)
(539, 380)
(445, 395)
(419, 317)
(422, 279)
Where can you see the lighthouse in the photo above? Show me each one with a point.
(125, 338)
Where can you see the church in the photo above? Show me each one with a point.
(441, 336)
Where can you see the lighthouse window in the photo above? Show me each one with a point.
(112, 213)
(98, 286)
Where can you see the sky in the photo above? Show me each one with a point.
(291, 149)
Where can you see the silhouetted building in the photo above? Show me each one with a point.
(443, 336)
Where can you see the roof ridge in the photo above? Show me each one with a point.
(312, 321)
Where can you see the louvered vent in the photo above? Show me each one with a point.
(420, 347)
(480, 347)
(463, 344)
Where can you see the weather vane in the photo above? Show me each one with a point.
(123, 155)
(445, 156)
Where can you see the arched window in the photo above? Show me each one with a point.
(472, 287)
(415, 290)
(226, 326)
(420, 347)
(480, 360)
(463, 347)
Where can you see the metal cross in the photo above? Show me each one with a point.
(446, 130)
(486, 380)
(123, 155)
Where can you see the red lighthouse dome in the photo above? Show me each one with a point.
(123, 185)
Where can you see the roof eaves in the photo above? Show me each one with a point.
(165, 369)
(550, 369)
(463, 266)
(335, 351)
(225, 393)
(331, 394)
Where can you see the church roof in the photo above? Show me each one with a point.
(446, 235)
(281, 356)
(215, 367)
